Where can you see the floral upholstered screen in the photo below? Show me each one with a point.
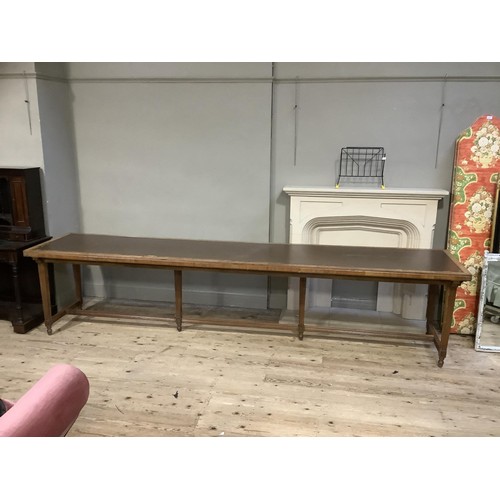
(475, 179)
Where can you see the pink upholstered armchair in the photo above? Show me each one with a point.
(50, 407)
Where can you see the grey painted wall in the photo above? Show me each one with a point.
(203, 150)
(61, 181)
(61, 176)
(163, 158)
(410, 110)
(415, 111)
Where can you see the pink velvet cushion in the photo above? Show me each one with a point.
(50, 407)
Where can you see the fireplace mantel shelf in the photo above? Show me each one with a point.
(363, 216)
(342, 192)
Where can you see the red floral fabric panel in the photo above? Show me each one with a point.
(475, 178)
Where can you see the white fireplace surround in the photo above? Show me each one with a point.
(396, 217)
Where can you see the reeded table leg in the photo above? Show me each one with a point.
(77, 276)
(178, 299)
(43, 275)
(430, 315)
(302, 306)
(17, 293)
(447, 317)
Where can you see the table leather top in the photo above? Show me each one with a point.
(292, 259)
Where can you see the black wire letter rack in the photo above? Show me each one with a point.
(367, 162)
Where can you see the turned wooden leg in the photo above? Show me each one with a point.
(77, 276)
(430, 315)
(178, 299)
(43, 275)
(17, 293)
(302, 306)
(447, 318)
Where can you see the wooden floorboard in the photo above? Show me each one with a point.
(241, 383)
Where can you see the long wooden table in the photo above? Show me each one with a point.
(436, 268)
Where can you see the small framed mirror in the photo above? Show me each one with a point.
(488, 322)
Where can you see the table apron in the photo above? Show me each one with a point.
(391, 278)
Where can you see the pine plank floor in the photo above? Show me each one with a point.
(147, 379)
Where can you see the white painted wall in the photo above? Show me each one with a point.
(20, 146)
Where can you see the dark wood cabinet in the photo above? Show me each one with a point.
(20, 297)
(21, 226)
(21, 206)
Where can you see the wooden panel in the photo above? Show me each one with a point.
(19, 202)
(22, 204)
